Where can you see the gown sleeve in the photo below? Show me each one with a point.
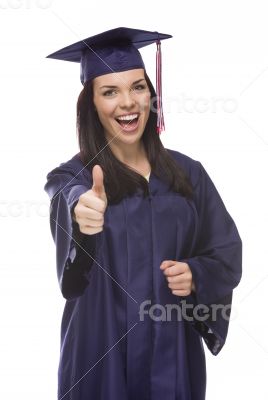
(75, 251)
(216, 265)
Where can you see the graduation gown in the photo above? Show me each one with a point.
(110, 348)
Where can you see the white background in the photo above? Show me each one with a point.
(215, 101)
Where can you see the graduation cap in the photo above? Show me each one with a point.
(115, 50)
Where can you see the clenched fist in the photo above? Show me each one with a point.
(90, 209)
(179, 277)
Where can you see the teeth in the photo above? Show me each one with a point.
(128, 117)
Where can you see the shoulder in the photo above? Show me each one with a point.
(191, 166)
(73, 166)
(67, 174)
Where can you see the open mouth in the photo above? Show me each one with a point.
(128, 122)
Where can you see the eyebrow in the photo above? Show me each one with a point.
(114, 87)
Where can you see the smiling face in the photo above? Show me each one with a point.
(122, 101)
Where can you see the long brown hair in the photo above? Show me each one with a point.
(119, 179)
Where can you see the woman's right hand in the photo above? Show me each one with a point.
(90, 209)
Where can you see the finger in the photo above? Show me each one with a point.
(175, 269)
(90, 230)
(92, 202)
(88, 212)
(181, 278)
(97, 176)
(179, 286)
(90, 221)
(181, 292)
(92, 224)
(166, 264)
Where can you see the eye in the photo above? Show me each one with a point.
(109, 92)
(139, 87)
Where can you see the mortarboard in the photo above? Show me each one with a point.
(115, 50)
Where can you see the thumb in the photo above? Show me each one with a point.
(98, 186)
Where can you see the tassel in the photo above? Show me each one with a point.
(160, 114)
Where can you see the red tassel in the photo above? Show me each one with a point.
(160, 114)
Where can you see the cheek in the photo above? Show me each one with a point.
(105, 111)
(145, 103)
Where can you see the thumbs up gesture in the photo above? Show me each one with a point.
(90, 209)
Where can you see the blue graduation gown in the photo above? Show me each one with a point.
(108, 350)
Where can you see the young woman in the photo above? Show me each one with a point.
(147, 254)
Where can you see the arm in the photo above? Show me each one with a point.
(217, 263)
(75, 251)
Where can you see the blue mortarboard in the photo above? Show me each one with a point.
(115, 50)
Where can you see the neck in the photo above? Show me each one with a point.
(129, 154)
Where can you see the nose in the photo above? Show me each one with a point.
(127, 99)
